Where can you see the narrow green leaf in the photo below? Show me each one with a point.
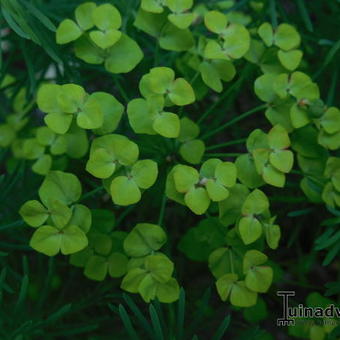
(41, 17)
(180, 314)
(127, 323)
(222, 328)
(156, 323)
(304, 14)
(139, 315)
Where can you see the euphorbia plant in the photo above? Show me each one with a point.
(115, 159)
(141, 147)
(61, 224)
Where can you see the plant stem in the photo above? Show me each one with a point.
(121, 90)
(156, 56)
(18, 223)
(273, 13)
(297, 172)
(332, 89)
(194, 77)
(237, 6)
(162, 211)
(233, 142)
(91, 193)
(223, 154)
(219, 101)
(233, 121)
(231, 261)
(304, 14)
(124, 214)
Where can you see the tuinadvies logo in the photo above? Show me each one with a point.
(290, 314)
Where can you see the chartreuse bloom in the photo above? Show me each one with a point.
(180, 16)
(168, 25)
(233, 43)
(153, 6)
(149, 271)
(297, 84)
(159, 88)
(286, 39)
(149, 116)
(240, 273)
(235, 37)
(197, 189)
(285, 36)
(213, 68)
(15, 122)
(295, 93)
(47, 138)
(17, 118)
(115, 157)
(107, 20)
(104, 254)
(269, 156)
(61, 224)
(250, 226)
(161, 81)
(53, 144)
(47, 146)
(290, 59)
(109, 152)
(191, 148)
(329, 135)
(31, 149)
(258, 278)
(126, 189)
(249, 211)
(216, 71)
(65, 103)
(97, 38)
(229, 286)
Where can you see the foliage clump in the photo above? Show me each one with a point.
(121, 138)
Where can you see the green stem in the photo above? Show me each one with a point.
(156, 55)
(233, 142)
(194, 77)
(222, 154)
(91, 193)
(18, 223)
(121, 90)
(171, 322)
(297, 172)
(233, 121)
(124, 214)
(330, 57)
(162, 211)
(219, 101)
(304, 14)
(332, 89)
(237, 6)
(231, 261)
(273, 13)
